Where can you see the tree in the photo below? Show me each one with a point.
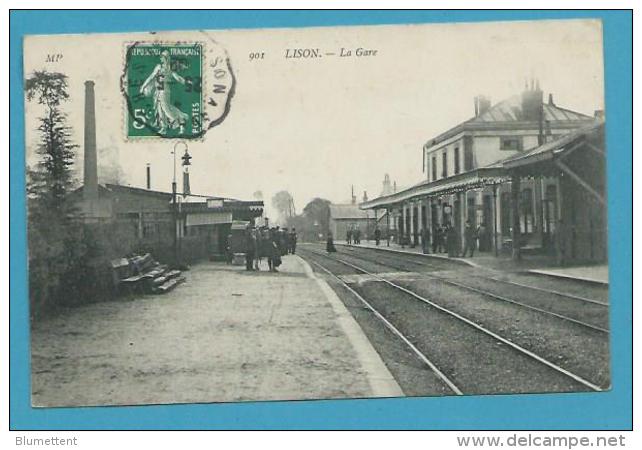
(318, 211)
(53, 178)
(313, 221)
(284, 205)
(56, 248)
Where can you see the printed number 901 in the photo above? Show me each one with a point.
(257, 55)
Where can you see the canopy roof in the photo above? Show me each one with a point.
(553, 148)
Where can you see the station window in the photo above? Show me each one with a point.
(468, 159)
(150, 230)
(526, 216)
(457, 168)
(444, 164)
(434, 168)
(510, 143)
(427, 165)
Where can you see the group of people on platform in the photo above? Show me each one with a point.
(270, 243)
(353, 236)
(446, 239)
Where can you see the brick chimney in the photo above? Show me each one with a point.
(532, 101)
(483, 104)
(90, 189)
(365, 196)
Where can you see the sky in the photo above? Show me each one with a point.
(316, 127)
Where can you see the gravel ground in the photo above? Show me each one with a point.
(578, 349)
(590, 313)
(225, 335)
(414, 262)
(412, 375)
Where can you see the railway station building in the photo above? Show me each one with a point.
(488, 170)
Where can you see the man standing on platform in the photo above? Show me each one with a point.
(293, 239)
(250, 248)
(470, 238)
(377, 236)
(425, 240)
(451, 241)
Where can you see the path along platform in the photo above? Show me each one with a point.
(536, 264)
(224, 335)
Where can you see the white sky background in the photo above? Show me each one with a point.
(315, 127)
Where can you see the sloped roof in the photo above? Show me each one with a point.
(550, 149)
(508, 113)
(510, 110)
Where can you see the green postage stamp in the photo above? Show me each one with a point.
(175, 90)
(164, 90)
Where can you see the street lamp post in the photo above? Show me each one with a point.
(175, 206)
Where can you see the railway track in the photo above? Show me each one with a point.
(447, 381)
(557, 293)
(407, 338)
(503, 298)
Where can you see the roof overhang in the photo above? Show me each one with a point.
(473, 179)
(555, 149)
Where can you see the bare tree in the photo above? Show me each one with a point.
(283, 202)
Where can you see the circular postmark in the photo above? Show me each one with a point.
(175, 90)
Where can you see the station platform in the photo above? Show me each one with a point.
(535, 264)
(225, 335)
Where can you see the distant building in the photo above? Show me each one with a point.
(349, 216)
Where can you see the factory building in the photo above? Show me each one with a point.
(126, 219)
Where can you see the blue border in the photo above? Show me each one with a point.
(610, 410)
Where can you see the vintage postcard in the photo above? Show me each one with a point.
(317, 213)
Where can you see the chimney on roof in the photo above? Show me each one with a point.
(90, 189)
(483, 104)
(394, 187)
(387, 186)
(550, 99)
(353, 198)
(548, 133)
(365, 196)
(532, 103)
(149, 177)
